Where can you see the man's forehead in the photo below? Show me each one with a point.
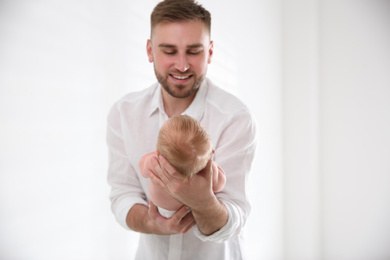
(190, 46)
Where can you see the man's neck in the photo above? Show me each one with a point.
(176, 106)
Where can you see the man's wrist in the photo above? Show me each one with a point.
(212, 217)
(206, 205)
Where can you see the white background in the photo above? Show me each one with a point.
(316, 74)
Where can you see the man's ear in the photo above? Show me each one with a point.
(149, 50)
(211, 52)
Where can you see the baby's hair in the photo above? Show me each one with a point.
(185, 143)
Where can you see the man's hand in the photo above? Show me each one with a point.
(195, 192)
(180, 222)
(147, 220)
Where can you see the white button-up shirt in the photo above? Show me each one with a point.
(133, 125)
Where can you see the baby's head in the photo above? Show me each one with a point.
(185, 143)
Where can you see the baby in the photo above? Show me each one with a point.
(185, 143)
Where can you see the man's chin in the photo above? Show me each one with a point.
(179, 91)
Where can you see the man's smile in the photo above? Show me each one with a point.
(181, 77)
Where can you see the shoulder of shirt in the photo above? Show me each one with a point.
(136, 96)
(225, 101)
(134, 101)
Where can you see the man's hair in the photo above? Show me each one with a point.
(179, 11)
(185, 143)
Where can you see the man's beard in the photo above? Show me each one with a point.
(171, 89)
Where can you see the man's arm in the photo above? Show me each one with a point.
(211, 217)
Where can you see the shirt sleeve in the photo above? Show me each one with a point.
(235, 152)
(125, 185)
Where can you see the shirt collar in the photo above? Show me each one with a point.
(195, 110)
(156, 102)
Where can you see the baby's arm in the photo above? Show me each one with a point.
(145, 164)
(219, 178)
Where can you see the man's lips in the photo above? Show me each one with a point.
(180, 77)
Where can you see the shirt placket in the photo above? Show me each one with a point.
(175, 247)
(163, 118)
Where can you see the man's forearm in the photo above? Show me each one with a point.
(137, 219)
(211, 217)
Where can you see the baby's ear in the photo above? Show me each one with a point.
(158, 154)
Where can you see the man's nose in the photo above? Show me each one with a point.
(182, 64)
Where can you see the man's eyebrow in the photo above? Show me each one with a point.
(165, 45)
(193, 46)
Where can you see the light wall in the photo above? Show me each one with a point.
(355, 129)
(336, 94)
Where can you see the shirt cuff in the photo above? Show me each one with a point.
(227, 231)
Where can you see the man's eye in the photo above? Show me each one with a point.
(170, 52)
(194, 52)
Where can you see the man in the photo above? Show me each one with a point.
(208, 226)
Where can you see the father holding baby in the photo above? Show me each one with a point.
(208, 225)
